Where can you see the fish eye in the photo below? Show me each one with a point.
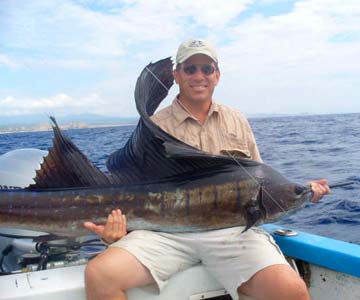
(299, 190)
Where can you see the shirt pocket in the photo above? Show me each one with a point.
(192, 139)
(235, 146)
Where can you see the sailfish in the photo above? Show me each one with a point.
(159, 182)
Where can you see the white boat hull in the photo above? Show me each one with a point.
(328, 284)
(194, 283)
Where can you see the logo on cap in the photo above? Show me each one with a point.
(196, 43)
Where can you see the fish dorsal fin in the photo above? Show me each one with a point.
(151, 153)
(66, 166)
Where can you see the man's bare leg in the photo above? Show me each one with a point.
(277, 282)
(112, 272)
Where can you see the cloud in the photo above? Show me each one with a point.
(6, 61)
(59, 104)
(70, 29)
(291, 62)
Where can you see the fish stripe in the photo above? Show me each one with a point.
(238, 196)
(187, 199)
(215, 197)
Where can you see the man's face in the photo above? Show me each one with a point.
(195, 80)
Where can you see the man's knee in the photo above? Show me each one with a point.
(93, 272)
(105, 269)
(119, 267)
(296, 290)
(103, 277)
(277, 282)
(97, 281)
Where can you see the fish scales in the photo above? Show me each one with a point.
(65, 205)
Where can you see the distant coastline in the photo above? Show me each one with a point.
(33, 124)
(47, 127)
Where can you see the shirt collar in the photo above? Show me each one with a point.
(213, 108)
(180, 114)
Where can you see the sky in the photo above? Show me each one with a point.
(83, 56)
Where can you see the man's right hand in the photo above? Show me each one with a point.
(113, 230)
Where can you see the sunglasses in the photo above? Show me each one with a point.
(205, 69)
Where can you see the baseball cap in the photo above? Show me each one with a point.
(195, 46)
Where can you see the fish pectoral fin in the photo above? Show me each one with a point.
(253, 212)
(253, 216)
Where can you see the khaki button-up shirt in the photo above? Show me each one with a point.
(224, 131)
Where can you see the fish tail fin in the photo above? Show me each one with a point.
(129, 163)
(153, 86)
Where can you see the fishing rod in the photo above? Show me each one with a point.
(332, 186)
(341, 184)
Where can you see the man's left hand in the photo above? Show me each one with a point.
(319, 189)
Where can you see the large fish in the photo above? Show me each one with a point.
(159, 182)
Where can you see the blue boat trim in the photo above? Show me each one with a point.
(333, 254)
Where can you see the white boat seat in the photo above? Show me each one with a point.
(68, 283)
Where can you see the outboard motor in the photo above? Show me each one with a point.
(18, 250)
(17, 167)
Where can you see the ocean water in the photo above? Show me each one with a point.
(300, 147)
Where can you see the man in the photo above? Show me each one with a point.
(247, 264)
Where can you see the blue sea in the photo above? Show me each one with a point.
(302, 148)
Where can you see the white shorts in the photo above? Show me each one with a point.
(231, 256)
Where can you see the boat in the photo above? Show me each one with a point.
(36, 270)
